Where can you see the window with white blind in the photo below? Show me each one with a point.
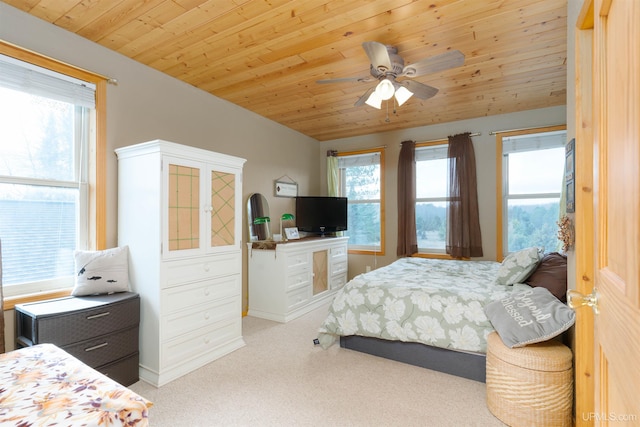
(47, 121)
(361, 181)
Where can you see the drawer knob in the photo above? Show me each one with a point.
(206, 316)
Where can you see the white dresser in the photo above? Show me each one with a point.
(287, 280)
(179, 211)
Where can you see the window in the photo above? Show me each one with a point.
(532, 167)
(432, 172)
(361, 178)
(49, 166)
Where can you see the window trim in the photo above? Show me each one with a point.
(499, 181)
(98, 162)
(381, 250)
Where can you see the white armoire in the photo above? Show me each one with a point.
(179, 211)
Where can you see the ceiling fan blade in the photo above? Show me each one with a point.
(420, 90)
(364, 97)
(436, 63)
(378, 55)
(345, 79)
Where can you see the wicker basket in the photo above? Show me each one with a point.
(530, 386)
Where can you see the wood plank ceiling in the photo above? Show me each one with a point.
(266, 55)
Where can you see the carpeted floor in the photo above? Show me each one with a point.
(281, 379)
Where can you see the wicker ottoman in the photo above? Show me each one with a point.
(530, 386)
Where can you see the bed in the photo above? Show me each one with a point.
(426, 312)
(44, 386)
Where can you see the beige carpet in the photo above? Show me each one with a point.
(281, 379)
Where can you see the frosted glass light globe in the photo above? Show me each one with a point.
(385, 89)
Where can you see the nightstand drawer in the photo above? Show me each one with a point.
(70, 320)
(102, 350)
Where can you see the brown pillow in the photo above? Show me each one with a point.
(551, 273)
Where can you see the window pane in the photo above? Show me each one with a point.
(532, 222)
(38, 229)
(431, 178)
(362, 183)
(431, 225)
(364, 224)
(534, 172)
(37, 137)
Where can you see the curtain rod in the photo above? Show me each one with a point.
(441, 139)
(495, 132)
(334, 153)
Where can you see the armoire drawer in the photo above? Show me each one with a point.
(199, 293)
(179, 272)
(195, 343)
(201, 316)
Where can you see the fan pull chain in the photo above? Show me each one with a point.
(387, 120)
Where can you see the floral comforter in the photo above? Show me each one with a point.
(45, 386)
(435, 302)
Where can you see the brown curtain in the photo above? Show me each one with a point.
(1, 306)
(463, 236)
(407, 236)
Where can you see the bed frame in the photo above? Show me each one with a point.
(461, 364)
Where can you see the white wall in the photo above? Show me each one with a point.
(485, 151)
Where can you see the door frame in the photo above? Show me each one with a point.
(583, 339)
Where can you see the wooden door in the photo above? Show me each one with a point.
(616, 206)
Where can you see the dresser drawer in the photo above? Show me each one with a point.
(296, 280)
(298, 297)
(180, 272)
(125, 371)
(338, 253)
(195, 343)
(340, 267)
(205, 292)
(188, 320)
(338, 281)
(70, 320)
(105, 349)
(297, 261)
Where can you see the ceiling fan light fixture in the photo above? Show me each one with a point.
(402, 95)
(385, 89)
(374, 100)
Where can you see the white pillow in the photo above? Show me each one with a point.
(101, 272)
(517, 266)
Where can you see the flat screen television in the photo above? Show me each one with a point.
(321, 215)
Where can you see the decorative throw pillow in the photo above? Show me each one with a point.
(101, 272)
(551, 273)
(529, 317)
(517, 266)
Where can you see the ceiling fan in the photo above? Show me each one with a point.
(387, 66)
